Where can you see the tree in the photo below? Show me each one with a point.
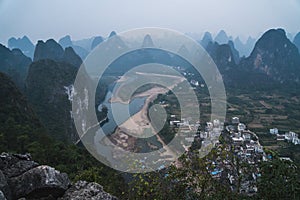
(279, 180)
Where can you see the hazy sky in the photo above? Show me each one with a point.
(42, 19)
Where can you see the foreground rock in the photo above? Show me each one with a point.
(22, 178)
(83, 190)
(42, 181)
(2, 197)
(13, 165)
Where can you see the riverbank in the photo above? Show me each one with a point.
(139, 125)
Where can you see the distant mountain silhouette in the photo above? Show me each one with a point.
(14, 64)
(207, 38)
(67, 42)
(222, 37)
(84, 43)
(113, 33)
(97, 40)
(24, 44)
(244, 49)
(53, 51)
(148, 41)
(296, 41)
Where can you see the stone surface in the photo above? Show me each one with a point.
(2, 197)
(13, 165)
(83, 190)
(39, 182)
(4, 188)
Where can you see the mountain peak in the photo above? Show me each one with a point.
(48, 50)
(222, 37)
(65, 41)
(276, 56)
(53, 51)
(24, 44)
(206, 39)
(113, 33)
(147, 42)
(96, 41)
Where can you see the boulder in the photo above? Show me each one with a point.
(13, 165)
(2, 197)
(83, 190)
(4, 188)
(39, 182)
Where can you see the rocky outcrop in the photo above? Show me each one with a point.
(4, 188)
(83, 190)
(15, 165)
(22, 178)
(41, 181)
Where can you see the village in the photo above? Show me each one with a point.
(237, 156)
(290, 136)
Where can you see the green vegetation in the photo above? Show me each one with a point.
(21, 132)
(279, 180)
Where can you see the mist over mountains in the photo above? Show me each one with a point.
(51, 68)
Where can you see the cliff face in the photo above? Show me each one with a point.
(14, 64)
(53, 51)
(21, 177)
(275, 56)
(47, 87)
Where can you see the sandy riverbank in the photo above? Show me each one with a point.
(138, 123)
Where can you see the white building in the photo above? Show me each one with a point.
(235, 120)
(273, 131)
(216, 123)
(237, 140)
(241, 127)
(209, 125)
(246, 136)
(194, 82)
(292, 137)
